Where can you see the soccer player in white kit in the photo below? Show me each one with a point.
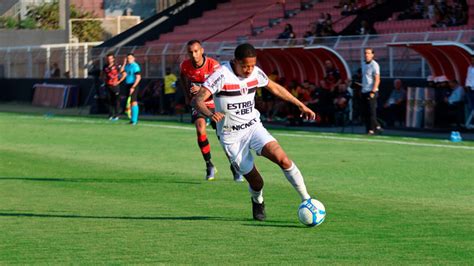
(239, 129)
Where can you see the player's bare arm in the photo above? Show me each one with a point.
(183, 80)
(124, 75)
(282, 93)
(376, 83)
(199, 104)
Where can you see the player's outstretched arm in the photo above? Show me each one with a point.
(199, 103)
(282, 93)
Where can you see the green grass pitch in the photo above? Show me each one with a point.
(85, 190)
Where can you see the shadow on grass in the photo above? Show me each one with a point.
(76, 216)
(100, 180)
(270, 223)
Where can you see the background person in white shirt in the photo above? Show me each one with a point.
(239, 129)
(470, 76)
(469, 84)
(370, 88)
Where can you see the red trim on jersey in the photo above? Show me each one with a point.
(231, 87)
(252, 83)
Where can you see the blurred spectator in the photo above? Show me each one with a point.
(394, 108)
(55, 72)
(150, 97)
(293, 112)
(322, 105)
(442, 91)
(320, 23)
(349, 7)
(47, 73)
(415, 11)
(430, 10)
(341, 103)
(304, 92)
(356, 86)
(169, 91)
(268, 99)
(309, 36)
(456, 103)
(322, 27)
(446, 16)
(287, 33)
(332, 78)
(366, 28)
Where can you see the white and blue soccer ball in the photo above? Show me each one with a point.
(311, 212)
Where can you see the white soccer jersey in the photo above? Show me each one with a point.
(235, 97)
(470, 77)
(369, 70)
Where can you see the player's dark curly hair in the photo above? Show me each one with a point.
(245, 50)
(191, 42)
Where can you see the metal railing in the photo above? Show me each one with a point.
(35, 61)
(76, 58)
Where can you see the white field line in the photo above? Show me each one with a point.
(293, 135)
(376, 140)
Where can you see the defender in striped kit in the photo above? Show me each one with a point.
(194, 71)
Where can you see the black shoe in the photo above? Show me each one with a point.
(258, 211)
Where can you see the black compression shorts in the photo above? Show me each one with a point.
(134, 96)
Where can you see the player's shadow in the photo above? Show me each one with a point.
(76, 216)
(273, 224)
(101, 180)
(149, 218)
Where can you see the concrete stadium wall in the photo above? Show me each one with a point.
(15, 38)
(21, 90)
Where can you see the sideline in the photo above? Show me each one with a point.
(303, 135)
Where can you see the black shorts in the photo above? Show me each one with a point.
(134, 96)
(195, 114)
(113, 89)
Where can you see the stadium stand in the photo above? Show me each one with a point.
(269, 20)
(301, 21)
(421, 25)
(151, 28)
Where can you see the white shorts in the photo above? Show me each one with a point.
(239, 151)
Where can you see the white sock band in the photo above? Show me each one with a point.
(295, 177)
(257, 196)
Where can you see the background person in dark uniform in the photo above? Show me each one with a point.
(394, 108)
(110, 76)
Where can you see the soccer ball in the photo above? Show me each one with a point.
(311, 212)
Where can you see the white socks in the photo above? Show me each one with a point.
(257, 196)
(295, 177)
